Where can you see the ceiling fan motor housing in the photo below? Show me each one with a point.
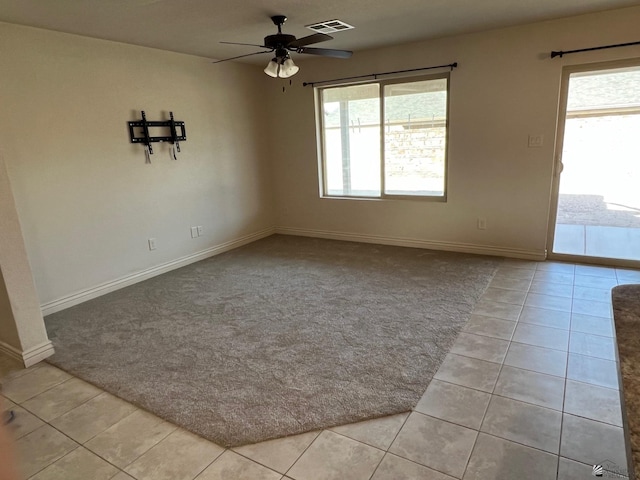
(279, 40)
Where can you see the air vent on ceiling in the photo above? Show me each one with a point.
(330, 26)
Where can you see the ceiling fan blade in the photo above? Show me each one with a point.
(240, 56)
(326, 52)
(249, 44)
(315, 38)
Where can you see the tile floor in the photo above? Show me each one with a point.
(597, 241)
(528, 391)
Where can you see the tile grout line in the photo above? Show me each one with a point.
(40, 393)
(80, 445)
(473, 449)
(378, 465)
(62, 414)
(133, 461)
(56, 461)
(77, 445)
(385, 451)
(410, 461)
(304, 451)
(500, 373)
(440, 420)
(83, 445)
(502, 368)
(297, 458)
(486, 409)
(208, 465)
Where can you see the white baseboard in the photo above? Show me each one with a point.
(11, 352)
(88, 294)
(537, 255)
(99, 290)
(37, 354)
(28, 357)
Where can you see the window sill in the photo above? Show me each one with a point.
(421, 198)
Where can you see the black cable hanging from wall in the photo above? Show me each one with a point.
(561, 53)
(376, 75)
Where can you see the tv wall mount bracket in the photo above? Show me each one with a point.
(146, 139)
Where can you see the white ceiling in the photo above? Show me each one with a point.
(197, 26)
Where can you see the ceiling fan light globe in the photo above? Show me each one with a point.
(272, 69)
(288, 69)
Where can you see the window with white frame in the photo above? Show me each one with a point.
(385, 139)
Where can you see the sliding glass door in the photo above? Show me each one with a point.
(597, 213)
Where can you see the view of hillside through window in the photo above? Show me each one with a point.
(410, 148)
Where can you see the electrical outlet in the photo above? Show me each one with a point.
(535, 141)
(152, 244)
(194, 232)
(482, 223)
(199, 230)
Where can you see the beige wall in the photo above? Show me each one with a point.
(506, 87)
(8, 328)
(22, 331)
(86, 199)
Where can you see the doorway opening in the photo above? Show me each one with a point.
(598, 186)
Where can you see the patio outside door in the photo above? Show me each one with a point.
(597, 184)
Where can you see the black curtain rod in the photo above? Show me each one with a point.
(561, 53)
(376, 75)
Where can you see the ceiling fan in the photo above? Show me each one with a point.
(281, 65)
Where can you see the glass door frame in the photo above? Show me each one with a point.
(557, 164)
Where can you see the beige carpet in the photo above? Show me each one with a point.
(279, 337)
